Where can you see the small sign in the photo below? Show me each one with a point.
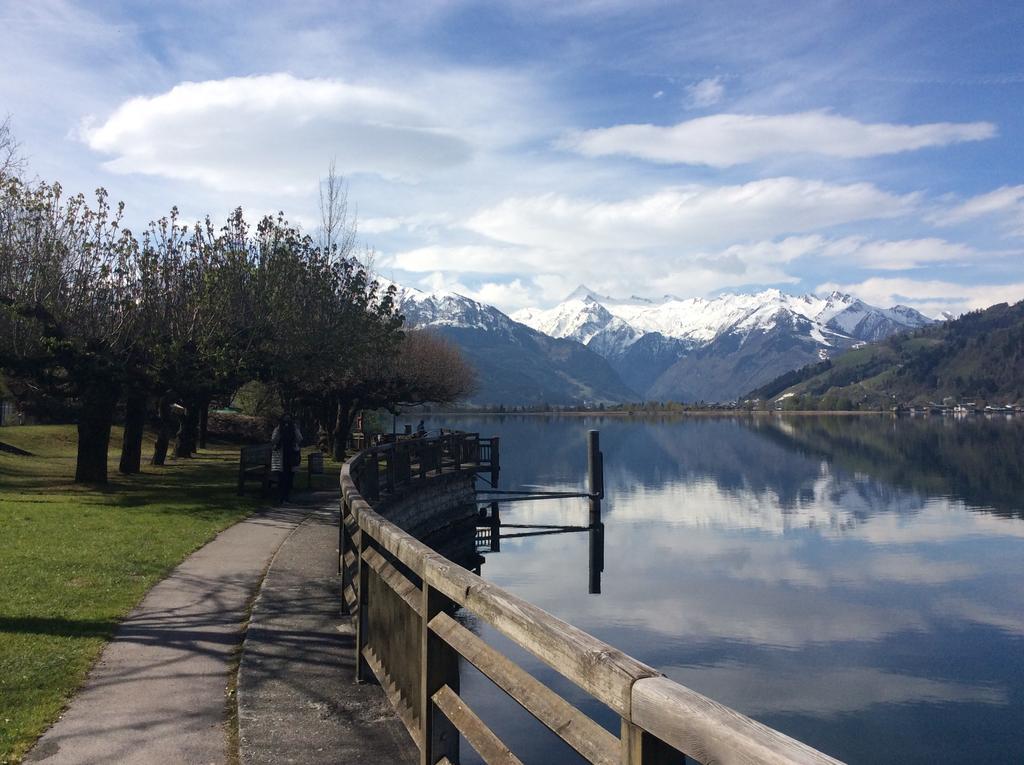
(316, 463)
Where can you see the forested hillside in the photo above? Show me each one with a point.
(979, 357)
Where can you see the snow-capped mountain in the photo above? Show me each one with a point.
(617, 324)
(597, 348)
(515, 364)
(766, 333)
(449, 309)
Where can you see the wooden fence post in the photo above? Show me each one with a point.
(342, 544)
(495, 462)
(389, 470)
(369, 487)
(439, 666)
(363, 671)
(641, 748)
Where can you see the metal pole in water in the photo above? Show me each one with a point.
(595, 475)
(595, 481)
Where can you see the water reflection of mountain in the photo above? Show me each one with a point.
(650, 451)
(653, 452)
(979, 461)
(865, 464)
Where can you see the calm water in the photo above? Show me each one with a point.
(853, 582)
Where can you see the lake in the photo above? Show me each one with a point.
(855, 582)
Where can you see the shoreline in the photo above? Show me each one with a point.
(669, 413)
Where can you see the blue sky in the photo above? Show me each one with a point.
(512, 150)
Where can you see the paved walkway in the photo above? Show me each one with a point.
(297, 702)
(157, 694)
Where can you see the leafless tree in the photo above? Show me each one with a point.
(337, 233)
(12, 162)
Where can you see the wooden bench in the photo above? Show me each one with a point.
(254, 462)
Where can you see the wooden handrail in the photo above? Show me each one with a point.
(661, 720)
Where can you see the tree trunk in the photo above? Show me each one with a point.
(204, 422)
(134, 426)
(98, 404)
(342, 426)
(163, 431)
(187, 431)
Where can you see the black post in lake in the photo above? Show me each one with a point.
(595, 480)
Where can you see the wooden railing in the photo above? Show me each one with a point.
(404, 595)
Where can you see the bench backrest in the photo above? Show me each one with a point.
(255, 455)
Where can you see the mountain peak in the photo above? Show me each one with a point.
(582, 292)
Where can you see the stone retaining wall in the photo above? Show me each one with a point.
(440, 511)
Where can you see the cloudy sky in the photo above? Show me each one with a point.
(511, 151)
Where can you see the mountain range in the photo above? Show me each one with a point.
(595, 348)
(978, 357)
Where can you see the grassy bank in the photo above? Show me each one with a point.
(74, 560)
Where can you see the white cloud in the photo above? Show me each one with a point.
(676, 241)
(1007, 201)
(387, 224)
(685, 217)
(723, 140)
(471, 258)
(275, 132)
(707, 92)
(508, 296)
(931, 297)
(761, 691)
(900, 254)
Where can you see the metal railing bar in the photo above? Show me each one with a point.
(568, 494)
(528, 498)
(523, 534)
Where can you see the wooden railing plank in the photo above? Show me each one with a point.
(711, 732)
(601, 670)
(351, 601)
(658, 715)
(394, 578)
(350, 559)
(473, 729)
(405, 711)
(580, 732)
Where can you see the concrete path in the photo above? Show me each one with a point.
(297, 702)
(157, 694)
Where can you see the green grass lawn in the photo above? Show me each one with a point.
(75, 559)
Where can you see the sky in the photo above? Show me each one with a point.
(511, 151)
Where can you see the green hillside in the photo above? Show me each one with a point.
(978, 357)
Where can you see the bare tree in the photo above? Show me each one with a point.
(12, 162)
(423, 368)
(337, 234)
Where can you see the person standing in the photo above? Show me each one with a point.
(286, 445)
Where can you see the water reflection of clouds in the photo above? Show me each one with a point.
(699, 585)
(1008, 617)
(699, 590)
(832, 505)
(824, 693)
(788, 571)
